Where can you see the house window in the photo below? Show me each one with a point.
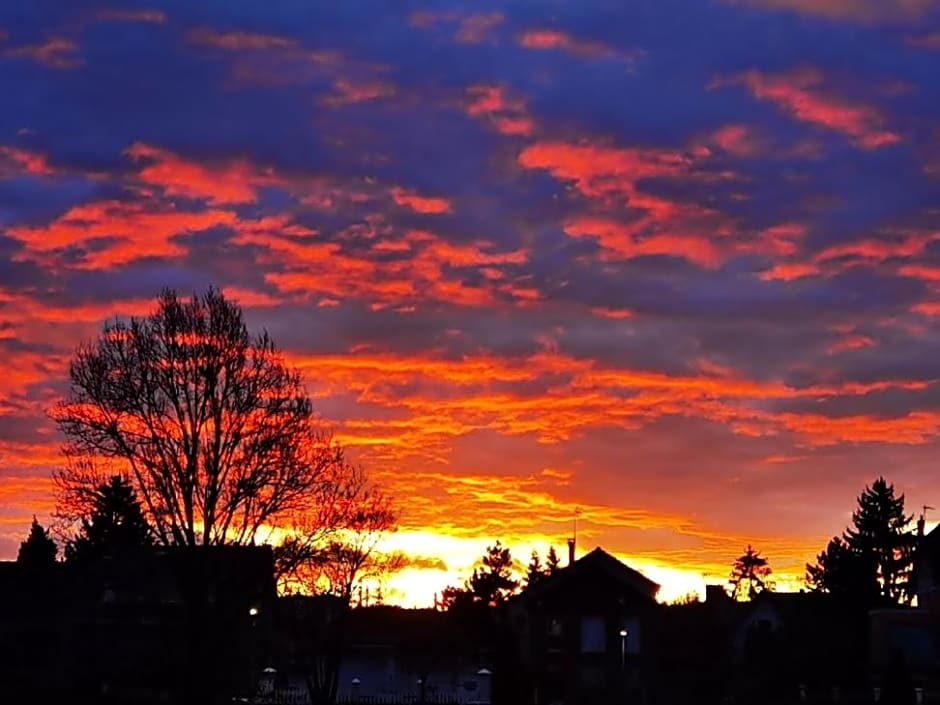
(593, 638)
(631, 640)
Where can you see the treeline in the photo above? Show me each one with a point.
(869, 564)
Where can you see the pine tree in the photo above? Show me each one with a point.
(750, 575)
(842, 571)
(872, 561)
(552, 564)
(493, 583)
(534, 571)
(880, 531)
(38, 550)
(115, 526)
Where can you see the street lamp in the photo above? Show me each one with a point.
(623, 646)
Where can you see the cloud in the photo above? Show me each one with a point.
(239, 40)
(803, 95)
(54, 52)
(346, 92)
(152, 16)
(506, 114)
(861, 11)
(15, 160)
(235, 182)
(547, 39)
(420, 204)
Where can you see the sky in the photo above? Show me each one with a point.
(671, 265)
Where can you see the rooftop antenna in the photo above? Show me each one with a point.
(922, 522)
(572, 542)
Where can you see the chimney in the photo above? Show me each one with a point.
(570, 552)
(920, 527)
(715, 593)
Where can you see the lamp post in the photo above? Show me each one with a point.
(623, 646)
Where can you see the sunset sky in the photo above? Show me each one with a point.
(675, 263)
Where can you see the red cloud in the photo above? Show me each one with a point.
(553, 39)
(235, 182)
(738, 140)
(346, 92)
(599, 171)
(137, 231)
(625, 241)
(611, 176)
(420, 204)
(801, 94)
(507, 114)
(23, 161)
(56, 52)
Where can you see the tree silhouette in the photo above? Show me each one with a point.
(38, 550)
(215, 430)
(552, 563)
(534, 571)
(488, 585)
(336, 562)
(216, 434)
(115, 524)
(334, 554)
(872, 561)
(750, 575)
(493, 583)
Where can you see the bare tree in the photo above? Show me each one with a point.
(213, 428)
(334, 563)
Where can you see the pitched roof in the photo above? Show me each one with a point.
(596, 560)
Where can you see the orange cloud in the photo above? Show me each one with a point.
(425, 271)
(626, 241)
(801, 93)
(420, 204)
(506, 114)
(235, 182)
(599, 171)
(612, 175)
(135, 230)
(55, 52)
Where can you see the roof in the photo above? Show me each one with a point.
(597, 560)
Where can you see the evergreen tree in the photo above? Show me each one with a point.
(38, 550)
(879, 531)
(493, 583)
(116, 524)
(552, 564)
(534, 571)
(842, 571)
(750, 575)
(872, 561)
